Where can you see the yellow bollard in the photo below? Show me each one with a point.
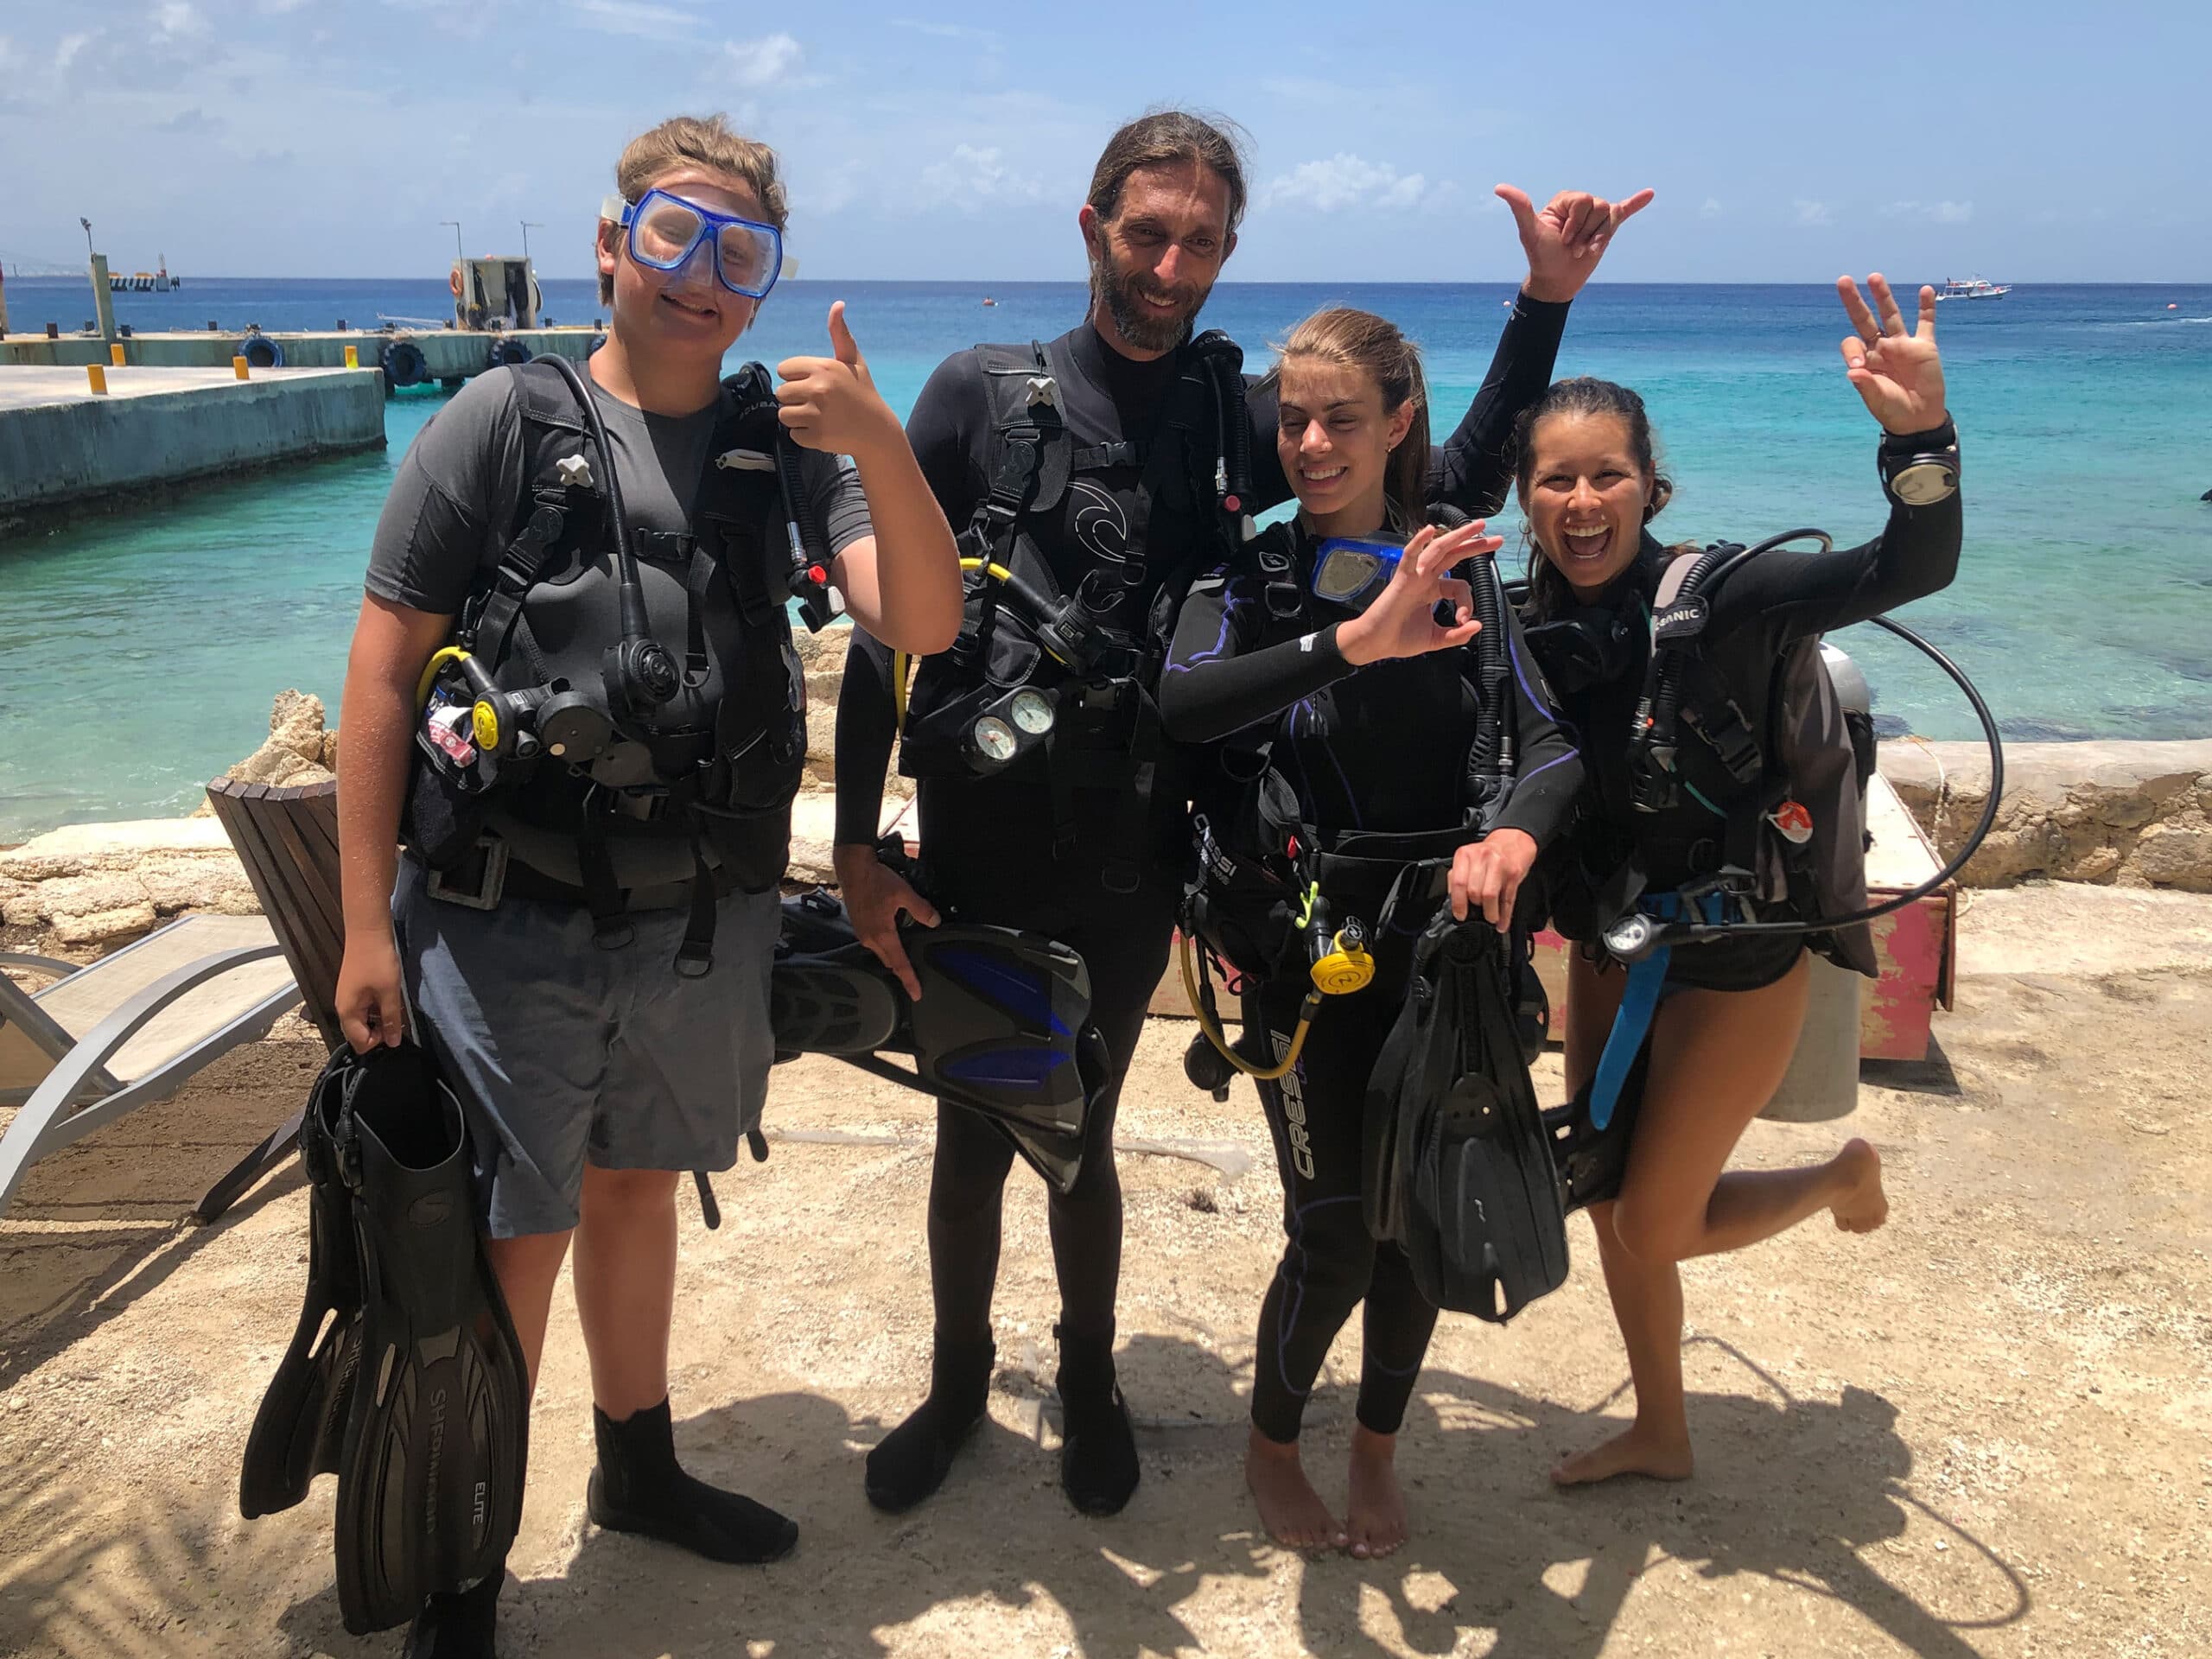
(239, 368)
(98, 376)
(115, 356)
(352, 357)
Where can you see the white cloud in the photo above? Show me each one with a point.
(975, 175)
(65, 53)
(1711, 208)
(1941, 212)
(948, 31)
(756, 63)
(177, 18)
(1343, 180)
(1813, 212)
(636, 17)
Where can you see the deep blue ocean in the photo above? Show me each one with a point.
(138, 652)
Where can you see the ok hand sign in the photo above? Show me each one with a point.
(1898, 374)
(1402, 620)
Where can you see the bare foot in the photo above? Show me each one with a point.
(1375, 1514)
(1290, 1508)
(1638, 1452)
(1864, 1206)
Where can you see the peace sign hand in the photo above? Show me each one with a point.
(830, 403)
(1565, 241)
(1402, 620)
(1897, 374)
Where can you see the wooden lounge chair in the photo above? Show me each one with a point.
(286, 838)
(129, 1028)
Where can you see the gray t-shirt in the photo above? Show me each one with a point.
(453, 502)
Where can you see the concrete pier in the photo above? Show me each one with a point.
(63, 449)
(447, 354)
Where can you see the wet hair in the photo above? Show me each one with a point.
(1548, 592)
(1163, 138)
(697, 141)
(1373, 345)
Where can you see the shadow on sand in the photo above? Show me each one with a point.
(1797, 1492)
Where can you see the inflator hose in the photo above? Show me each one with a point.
(1211, 1027)
(1491, 752)
(635, 624)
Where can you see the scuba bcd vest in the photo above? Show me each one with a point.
(1255, 861)
(1789, 799)
(605, 684)
(1269, 893)
(1063, 682)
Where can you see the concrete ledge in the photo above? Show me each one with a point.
(449, 352)
(60, 446)
(2128, 814)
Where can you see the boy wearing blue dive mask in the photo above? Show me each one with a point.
(591, 1069)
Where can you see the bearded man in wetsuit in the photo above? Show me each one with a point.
(1160, 221)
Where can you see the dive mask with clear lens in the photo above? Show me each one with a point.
(1346, 570)
(664, 229)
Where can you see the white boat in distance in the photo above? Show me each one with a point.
(1973, 288)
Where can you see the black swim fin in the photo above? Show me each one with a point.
(429, 1487)
(1591, 1161)
(299, 1430)
(1459, 1166)
(1003, 1026)
(827, 993)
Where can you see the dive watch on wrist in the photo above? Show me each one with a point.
(1918, 470)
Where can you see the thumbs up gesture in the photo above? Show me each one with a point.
(830, 403)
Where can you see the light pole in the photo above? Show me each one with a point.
(455, 223)
(87, 224)
(528, 225)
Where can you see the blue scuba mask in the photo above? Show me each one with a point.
(664, 229)
(1347, 569)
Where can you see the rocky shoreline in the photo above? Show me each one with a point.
(2132, 815)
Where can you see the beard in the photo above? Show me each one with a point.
(1139, 324)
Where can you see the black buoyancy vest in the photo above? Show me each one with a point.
(718, 763)
(1724, 755)
(1095, 648)
(1254, 853)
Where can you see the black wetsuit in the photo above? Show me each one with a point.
(1381, 748)
(1763, 605)
(988, 843)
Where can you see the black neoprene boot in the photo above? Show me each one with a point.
(912, 1460)
(638, 1488)
(1098, 1446)
(458, 1626)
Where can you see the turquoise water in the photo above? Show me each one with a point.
(138, 652)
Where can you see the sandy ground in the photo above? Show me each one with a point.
(1978, 1432)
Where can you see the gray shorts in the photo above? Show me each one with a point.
(562, 1052)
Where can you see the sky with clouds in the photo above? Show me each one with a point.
(2036, 141)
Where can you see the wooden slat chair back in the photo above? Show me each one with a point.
(286, 838)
